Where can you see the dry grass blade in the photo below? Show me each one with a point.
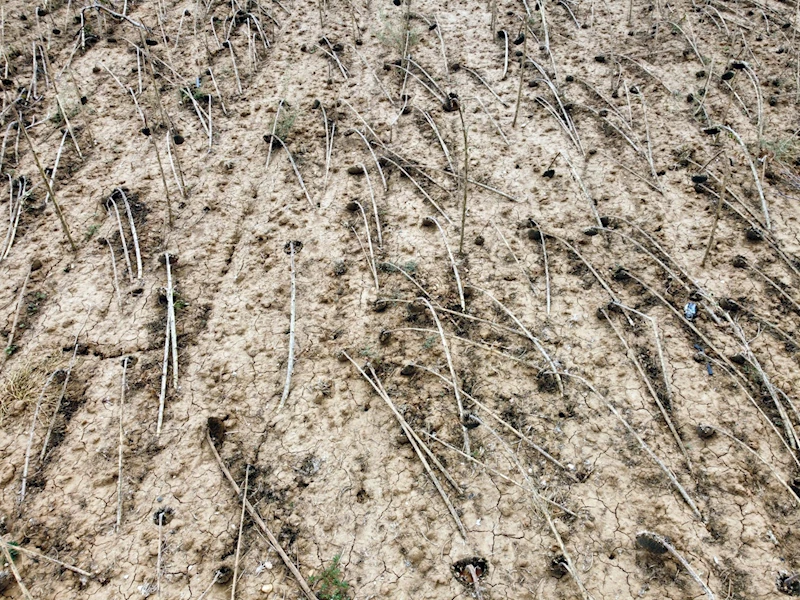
(121, 446)
(660, 542)
(239, 538)
(273, 134)
(409, 277)
(649, 146)
(374, 157)
(634, 359)
(757, 406)
(122, 240)
(262, 525)
(546, 262)
(791, 432)
(374, 205)
(432, 123)
(754, 171)
(178, 180)
(422, 191)
(454, 378)
(292, 317)
(537, 344)
(46, 181)
(504, 423)
(583, 189)
(134, 235)
(21, 298)
(539, 503)
(437, 463)
(670, 475)
(296, 170)
(55, 561)
(416, 443)
(7, 555)
(483, 465)
(173, 334)
(164, 370)
(371, 259)
(452, 264)
(329, 132)
(34, 421)
(494, 122)
(795, 497)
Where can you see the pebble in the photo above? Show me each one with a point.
(266, 588)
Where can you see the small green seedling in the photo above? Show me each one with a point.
(330, 583)
(12, 550)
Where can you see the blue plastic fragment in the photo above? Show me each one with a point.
(690, 311)
(197, 82)
(708, 368)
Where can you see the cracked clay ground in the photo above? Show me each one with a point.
(584, 386)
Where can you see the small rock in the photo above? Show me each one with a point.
(355, 170)
(705, 431)
(754, 235)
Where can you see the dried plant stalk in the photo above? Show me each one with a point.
(456, 387)
(452, 264)
(661, 542)
(417, 444)
(292, 316)
(46, 181)
(261, 524)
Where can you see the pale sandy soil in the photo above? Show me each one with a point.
(563, 314)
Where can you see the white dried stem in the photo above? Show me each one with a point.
(134, 235)
(454, 378)
(122, 238)
(371, 261)
(537, 344)
(171, 321)
(374, 205)
(416, 443)
(636, 363)
(262, 525)
(239, 538)
(292, 316)
(63, 392)
(7, 555)
(20, 299)
(34, 422)
(452, 264)
(662, 541)
(121, 446)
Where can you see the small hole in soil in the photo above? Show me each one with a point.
(466, 569)
(164, 515)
